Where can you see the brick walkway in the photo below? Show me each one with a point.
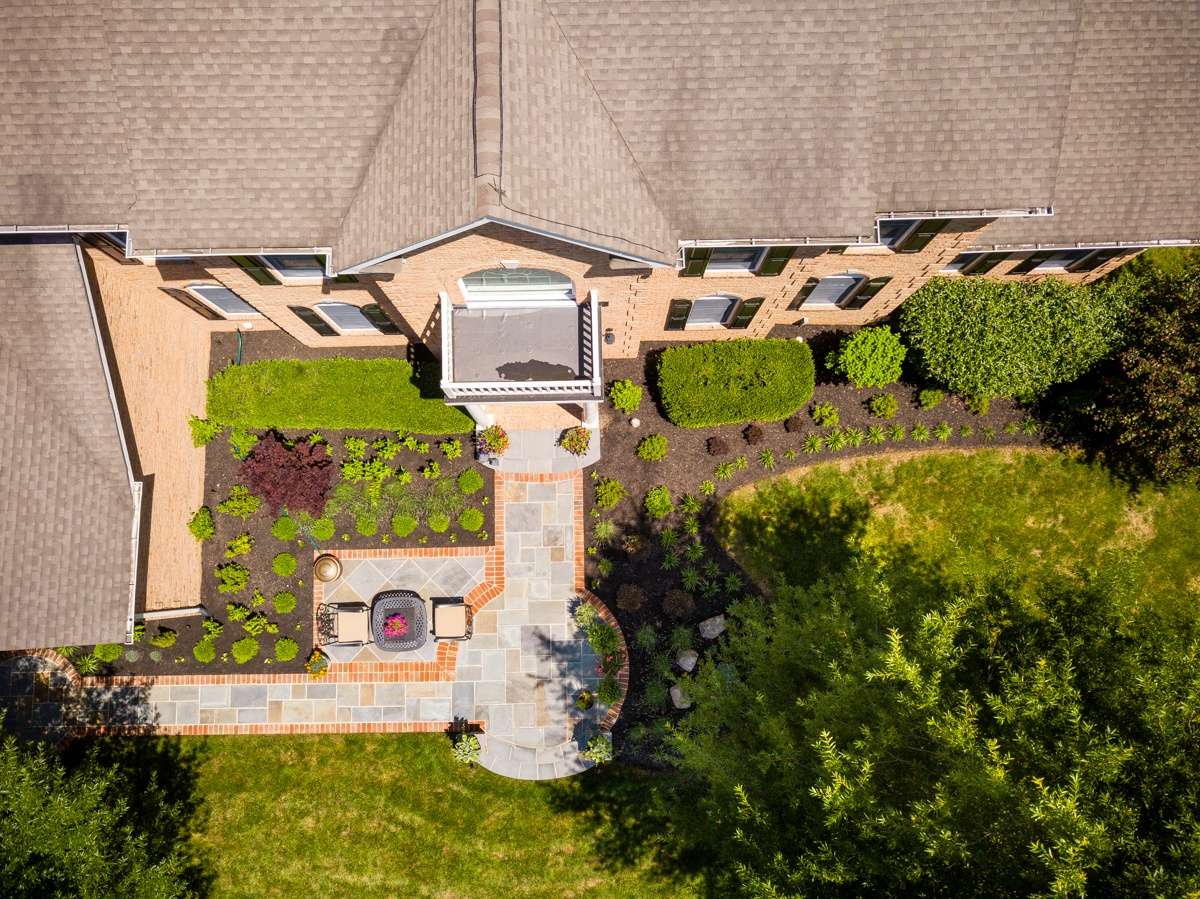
(515, 679)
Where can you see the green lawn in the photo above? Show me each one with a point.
(383, 815)
(961, 515)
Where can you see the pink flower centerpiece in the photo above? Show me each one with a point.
(395, 626)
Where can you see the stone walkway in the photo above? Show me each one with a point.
(515, 679)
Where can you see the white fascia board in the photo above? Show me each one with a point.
(491, 220)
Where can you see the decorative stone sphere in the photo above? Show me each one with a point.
(327, 568)
(635, 422)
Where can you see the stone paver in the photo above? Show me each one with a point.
(518, 674)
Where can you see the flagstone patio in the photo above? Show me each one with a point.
(515, 679)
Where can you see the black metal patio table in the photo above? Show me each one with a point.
(411, 607)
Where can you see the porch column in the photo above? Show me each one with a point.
(479, 412)
(591, 415)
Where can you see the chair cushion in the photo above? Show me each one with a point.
(450, 620)
(354, 627)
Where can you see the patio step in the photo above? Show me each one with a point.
(513, 760)
(538, 452)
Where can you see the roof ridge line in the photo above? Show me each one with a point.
(487, 105)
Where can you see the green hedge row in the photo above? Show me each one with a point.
(730, 381)
(334, 393)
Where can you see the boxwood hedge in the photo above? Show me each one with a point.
(730, 381)
(338, 392)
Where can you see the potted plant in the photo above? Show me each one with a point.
(575, 440)
(492, 440)
(317, 665)
(584, 700)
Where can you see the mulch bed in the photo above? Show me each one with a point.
(222, 472)
(688, 463)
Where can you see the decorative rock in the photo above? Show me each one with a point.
(687, 659)
(635, 422)
(679, 699)
(711, 628)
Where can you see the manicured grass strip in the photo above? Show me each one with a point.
(731, 381)
(394, 815)
(988, 513)
(334, 393)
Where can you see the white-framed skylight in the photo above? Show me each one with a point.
(298, 269)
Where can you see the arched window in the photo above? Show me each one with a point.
(507, 285)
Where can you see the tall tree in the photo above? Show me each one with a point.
(74, 833)
(859, 737)
(1149, 402)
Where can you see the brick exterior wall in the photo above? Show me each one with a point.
(635, 301)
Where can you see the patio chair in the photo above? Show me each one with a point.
(344, 624)
(451, 619)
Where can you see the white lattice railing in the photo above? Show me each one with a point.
(590, 385)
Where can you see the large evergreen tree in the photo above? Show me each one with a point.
(878, 735)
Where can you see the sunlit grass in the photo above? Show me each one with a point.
(391, 816)
(964, 515)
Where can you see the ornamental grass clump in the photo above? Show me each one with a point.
(871, 357)
(470, 519)
(244, 650)
(286, 649)
(735, 381)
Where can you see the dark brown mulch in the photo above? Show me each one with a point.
(688, 463)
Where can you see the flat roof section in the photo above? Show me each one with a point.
(521, 344)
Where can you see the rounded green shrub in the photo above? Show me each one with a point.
(244, 650)
(985, 338)
(366, 524)
(826, 415)
(403, 525)
(201, 524)
(733, 381)
(438, 522)
(108, 652)
(470, 519)
(884, 405)
(870, 357)
(609, 691)
(652, 448)
(205, 650)
(657, 502)
(284, 602)
(609, 492)
(285, 528)
(470, 481)
(284, 564)
(322, 529)
(930, 398)
(625, 395)
(286, 649)
(164, 639)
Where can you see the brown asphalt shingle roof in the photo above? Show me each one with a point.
(629, 123)
(66, 508)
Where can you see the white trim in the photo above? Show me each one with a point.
(135, 486)
(357, 268)
(1027, 212)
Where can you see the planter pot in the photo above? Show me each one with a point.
(327, 568)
